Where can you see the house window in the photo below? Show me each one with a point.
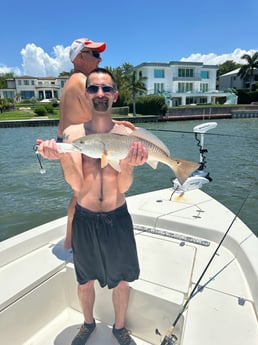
(158, 88)
(185, 87)
(159, 73)
(27, 94)
(205, 75)
(185, 72)
(26, 82)
(204, 87)
(19, 82)
(8, 94)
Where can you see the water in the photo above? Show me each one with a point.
(29, 199)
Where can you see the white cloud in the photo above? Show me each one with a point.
(214, 59)
(5, 69)
(36, 62)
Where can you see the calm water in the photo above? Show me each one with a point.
(29, 198)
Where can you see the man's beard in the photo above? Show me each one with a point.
(100, 104)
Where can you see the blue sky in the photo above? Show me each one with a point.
(35, 36)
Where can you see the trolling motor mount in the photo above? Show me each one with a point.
(199, 176)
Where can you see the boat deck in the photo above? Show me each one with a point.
(175, 240)
(61, 330)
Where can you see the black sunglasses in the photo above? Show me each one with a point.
(94, 53)
(91, 89)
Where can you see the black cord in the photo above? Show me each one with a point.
(35, 149)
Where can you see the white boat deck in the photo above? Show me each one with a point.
(175, 240)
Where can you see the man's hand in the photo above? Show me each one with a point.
(128, 124)
(137, 154)
(48, 149)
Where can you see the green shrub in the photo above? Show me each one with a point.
(150, 105)
(49, 108)
(40, 111)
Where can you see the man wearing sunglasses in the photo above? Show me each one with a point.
(102, 236)
(74, 107)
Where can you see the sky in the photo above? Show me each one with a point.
(35, 36)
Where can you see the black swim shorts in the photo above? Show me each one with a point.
(104, 247)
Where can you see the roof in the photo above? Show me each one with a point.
(235, 71)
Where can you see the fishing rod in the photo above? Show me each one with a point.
(170, 338)
(190, 132)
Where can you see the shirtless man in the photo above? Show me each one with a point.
(74, 106)
(102, 236)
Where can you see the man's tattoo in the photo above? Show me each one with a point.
(65, 136)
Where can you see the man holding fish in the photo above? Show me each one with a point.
(102, 234)
(103, 242)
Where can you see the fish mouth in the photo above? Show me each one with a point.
(77, 147)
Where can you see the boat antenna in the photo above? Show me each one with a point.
(170, 338)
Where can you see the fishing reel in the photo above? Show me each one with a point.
(170, 338)
(199, 177)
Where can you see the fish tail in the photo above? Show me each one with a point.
(183, 169)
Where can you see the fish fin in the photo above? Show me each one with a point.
(122, 130)
(144, 134)
(183, 169)
(115, 165)
(153, 164)
(104, 161)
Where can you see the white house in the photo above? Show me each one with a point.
(181, 83)
(27, 87)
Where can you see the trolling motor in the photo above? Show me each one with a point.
(198, 177)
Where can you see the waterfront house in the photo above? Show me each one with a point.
(39, 88)
(232, 80)
(181, 83)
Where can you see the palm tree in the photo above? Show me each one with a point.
(247, 70)
(133, 84)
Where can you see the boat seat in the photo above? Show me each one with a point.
(34, 271)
